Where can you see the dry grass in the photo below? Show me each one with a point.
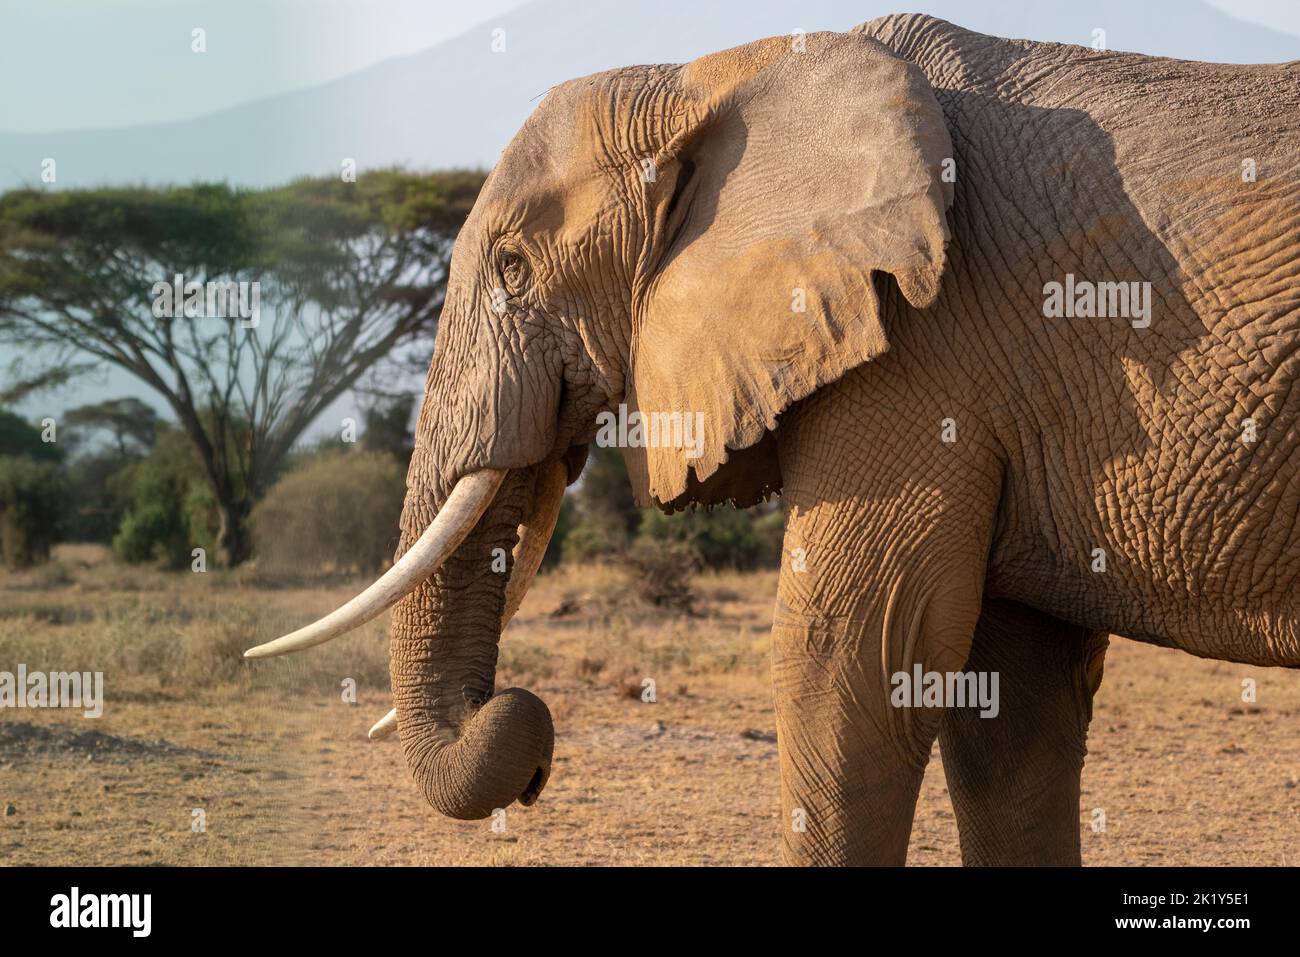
(279, 764)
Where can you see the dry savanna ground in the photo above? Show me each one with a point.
(274, 764)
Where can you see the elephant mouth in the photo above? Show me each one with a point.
(574, 458)
(534, 787)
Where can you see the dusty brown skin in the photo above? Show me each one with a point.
(784, 178)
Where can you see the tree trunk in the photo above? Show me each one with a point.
(233, 543)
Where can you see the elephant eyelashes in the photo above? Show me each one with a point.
(514, 270)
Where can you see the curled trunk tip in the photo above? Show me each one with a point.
(503, 755)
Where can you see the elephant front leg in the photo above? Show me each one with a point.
(850, 769)
(867, 594)
(891, 490)
(1014, 777)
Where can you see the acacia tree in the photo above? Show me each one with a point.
(349, 274)
(20, 381)
(132, 424)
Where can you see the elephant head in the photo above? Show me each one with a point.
(697, 240)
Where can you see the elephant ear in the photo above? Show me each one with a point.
(802, 166)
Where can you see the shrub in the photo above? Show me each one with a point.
(661, 571)
(604, 517)
(603, 522)
(98, 501)
(171, 509)
(153, 532)
(595, 533)
(335, 513)
(21, 439)
(31, 507)
(724, 537)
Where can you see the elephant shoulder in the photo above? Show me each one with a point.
(908, 31)
(950, 56)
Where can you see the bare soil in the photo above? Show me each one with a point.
(201, 758)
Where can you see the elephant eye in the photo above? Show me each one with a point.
(514, 270)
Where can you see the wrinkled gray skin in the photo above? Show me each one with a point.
(1071, 435)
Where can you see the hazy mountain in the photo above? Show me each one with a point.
(99, 64)
(459, 102)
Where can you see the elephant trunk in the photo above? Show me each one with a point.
(455, 585)
(471, 751)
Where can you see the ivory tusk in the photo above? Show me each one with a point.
(384, 726)
(534, 535)
(454, 521)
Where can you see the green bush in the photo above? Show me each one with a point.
(336, 513)
(31, 507)
(171, 510)
(18, 437)
(595, 533)
(603, 522)
(150, 533)
(603, 518)
(724, 537)
(98, 501)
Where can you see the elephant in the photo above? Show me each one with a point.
(1013, 330)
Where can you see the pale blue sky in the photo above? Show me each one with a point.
(82, 64)
(1281, 15)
